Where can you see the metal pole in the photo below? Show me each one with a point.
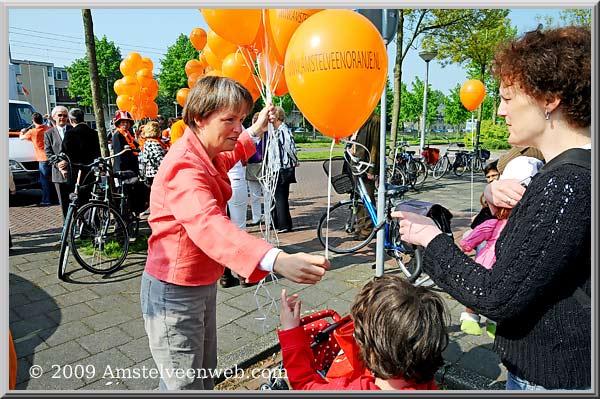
(424, 116)
(381, 190)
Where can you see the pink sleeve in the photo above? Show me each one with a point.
(481, 233)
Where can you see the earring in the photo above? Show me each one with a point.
(547, 115)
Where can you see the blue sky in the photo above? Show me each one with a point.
(56, 35)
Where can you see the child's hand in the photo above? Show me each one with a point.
(290, 311)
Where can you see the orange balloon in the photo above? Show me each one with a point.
(193, 66)
(198, 38)
(220, 46)
(234, 67)
(146, 63)
(214, 72)
(239, 26)
(131, 64)
(281, 25)
(130, 85)
(124, 102)
(251, 85)
(182, 96)
(144, 73)
(126, 68)
(259, 41)
(472, 93)
(151, 110)
(328, 73)
(281, 88)
(118, 87)
(193, 79)
(212, 59)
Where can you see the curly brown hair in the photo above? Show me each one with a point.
(400, 329)
(551, 64)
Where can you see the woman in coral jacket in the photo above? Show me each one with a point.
(193, 240)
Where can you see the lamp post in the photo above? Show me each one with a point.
(175, 103)
(426, 56)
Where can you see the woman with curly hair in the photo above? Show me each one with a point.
(538, 290)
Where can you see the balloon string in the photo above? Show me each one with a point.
(328, 201)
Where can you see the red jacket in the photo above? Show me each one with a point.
(192, 238)
(299, 367)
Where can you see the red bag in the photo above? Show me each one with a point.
(431, 155)
(319, 332)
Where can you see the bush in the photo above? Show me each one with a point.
(492, 137)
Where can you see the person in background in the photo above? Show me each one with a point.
(53, 140)
(123, 137)
(192, 238)
(253, 173)
(153, 152)
(36, 136)
(284, 159)
(538, 290)
(166, 133)
(400, 331)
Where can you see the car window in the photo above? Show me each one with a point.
(19, 116)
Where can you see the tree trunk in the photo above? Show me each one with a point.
(397, 80)
(90, 44)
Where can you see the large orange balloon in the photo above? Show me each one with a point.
(118, 87)
(239, 26)
(281, 25)
(124, 102)
(182, 96)
(131, 64)
(251, 85)
(281, 88)
(213, 61)
(146, 63)
(130, 85)
(472, 93)
(220, 46)
(193, 79)
(234, 67)
(194, 66)
(335, 79)
(198, 38)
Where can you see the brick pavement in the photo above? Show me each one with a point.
(95, 321)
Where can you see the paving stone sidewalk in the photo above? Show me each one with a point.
(76, 335)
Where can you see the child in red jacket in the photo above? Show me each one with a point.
(400, 331)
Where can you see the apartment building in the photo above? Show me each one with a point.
(44, 86)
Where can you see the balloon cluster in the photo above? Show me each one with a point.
(273, 51)
(137, 89)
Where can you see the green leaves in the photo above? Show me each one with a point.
(172, 75)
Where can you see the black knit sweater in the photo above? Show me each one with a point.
(542, 257)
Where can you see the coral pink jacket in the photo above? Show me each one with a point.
(192, 238)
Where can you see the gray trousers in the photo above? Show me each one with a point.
(181, 325)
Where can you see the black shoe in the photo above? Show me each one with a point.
(227, 281)
(243, 282)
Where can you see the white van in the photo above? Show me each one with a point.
(21, 155)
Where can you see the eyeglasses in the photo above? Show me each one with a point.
(62, 115)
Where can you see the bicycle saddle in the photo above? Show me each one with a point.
(411, 152)
(391, 189)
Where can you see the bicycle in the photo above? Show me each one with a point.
(96, 233)
(444, 164)
(405, 169)
(353, 222)
(470, 160)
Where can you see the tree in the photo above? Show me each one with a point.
(567, 17)
(473, 45)
(90, 44)
(172, 75)
(108, 58)
(454, 112)
(412, 24)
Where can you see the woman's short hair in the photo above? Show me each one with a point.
(279, 113)
(551, 64)
(400, 329)
(214, 93)
(152, 130)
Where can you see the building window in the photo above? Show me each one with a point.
(60, 75)
(87, 110)
(92, 124)
(52, 105)
(18, 69)
(51, 90)
(50, 72)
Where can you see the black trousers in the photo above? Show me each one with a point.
(63, 190)
(282, 219)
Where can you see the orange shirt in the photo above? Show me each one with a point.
(192, 238)
(36, 136)
(177, 130)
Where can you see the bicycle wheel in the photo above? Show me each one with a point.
(410, 261)
(398, 179)
(441, 167)
(63, 255)
(477, 164)
(99, 238)
(420, 173)
(460, 165)
(350, 227)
